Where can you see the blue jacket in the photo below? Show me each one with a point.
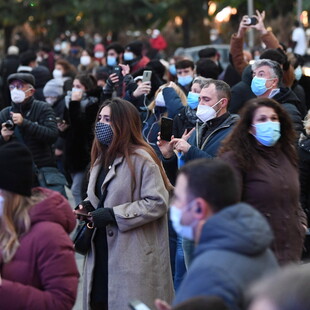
(233, 251)
(209, 147)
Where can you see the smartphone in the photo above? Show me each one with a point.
(147, 74)
(166, 128)
(251, 21)
(138, 305)
(81, 213)
(118, 71)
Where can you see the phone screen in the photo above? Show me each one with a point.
(166, 128)
(147, 74)
(138, 305)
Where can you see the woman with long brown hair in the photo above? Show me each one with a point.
(127, 203)
(262, 150)
(37, 262)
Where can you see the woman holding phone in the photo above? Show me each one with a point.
(127, 202)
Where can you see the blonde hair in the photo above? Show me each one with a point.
(307, 123)
(15, 221)
(177, 89)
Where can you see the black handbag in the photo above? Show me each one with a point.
(82, 237)
(84, 231)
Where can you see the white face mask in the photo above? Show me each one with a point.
(17, 95)
(57, 74)
(160, 100)
(85, 60)
(205, 113)
(1, 205)
(182, 230)
(99, 54)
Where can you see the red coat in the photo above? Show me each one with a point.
(159, 43)
(43, 272)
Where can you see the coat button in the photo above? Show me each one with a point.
(135, 214)
(110, 233)
(127, 215)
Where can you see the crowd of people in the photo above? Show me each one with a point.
(188, 221)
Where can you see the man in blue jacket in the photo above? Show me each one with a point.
(232, 238)
(203, 141)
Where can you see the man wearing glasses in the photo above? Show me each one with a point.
(28, 120)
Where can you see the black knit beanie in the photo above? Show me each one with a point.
(16, 168)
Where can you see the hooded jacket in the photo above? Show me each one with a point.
(233, 251)
(43, 272)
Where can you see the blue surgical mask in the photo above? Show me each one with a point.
(104, 133)
(267, 133)
(258, 85)
(185, 80)
(128, 56)
(182, 230)
(192, 100)
(172, 69)
(298, 73)
(111, 61)
(1, 205)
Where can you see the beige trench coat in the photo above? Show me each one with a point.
(138, 259)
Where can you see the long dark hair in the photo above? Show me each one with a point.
(244, 145)
(126, 125)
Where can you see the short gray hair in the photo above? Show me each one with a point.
(275, 68)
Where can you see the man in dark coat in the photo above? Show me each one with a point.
(269, 74)
(232, 238)
(32, 122)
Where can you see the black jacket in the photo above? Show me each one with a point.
(241, 92)
(81, 117)
(304, 173)
(39, 130)
(181, 123)
(292, 105)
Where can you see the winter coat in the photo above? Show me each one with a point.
(292, 106)
(43, 272)
(241, 92)
(304, 174)
(39, 130)
(209, 146)
(81, 117)
(272, 187)
(138, 251)
(181, 122)
(233, 251)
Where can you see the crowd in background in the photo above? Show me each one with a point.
(95, 112)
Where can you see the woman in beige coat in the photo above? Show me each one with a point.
(129, 255)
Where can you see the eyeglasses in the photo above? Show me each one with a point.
(16, 85)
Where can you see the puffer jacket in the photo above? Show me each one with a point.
(39, 130)
(43, 272)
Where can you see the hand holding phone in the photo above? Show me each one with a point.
(166, 128)
(147, 74)
(82, 215)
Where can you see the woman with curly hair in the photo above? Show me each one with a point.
(262, 151)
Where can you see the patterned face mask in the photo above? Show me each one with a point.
(104, 133)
